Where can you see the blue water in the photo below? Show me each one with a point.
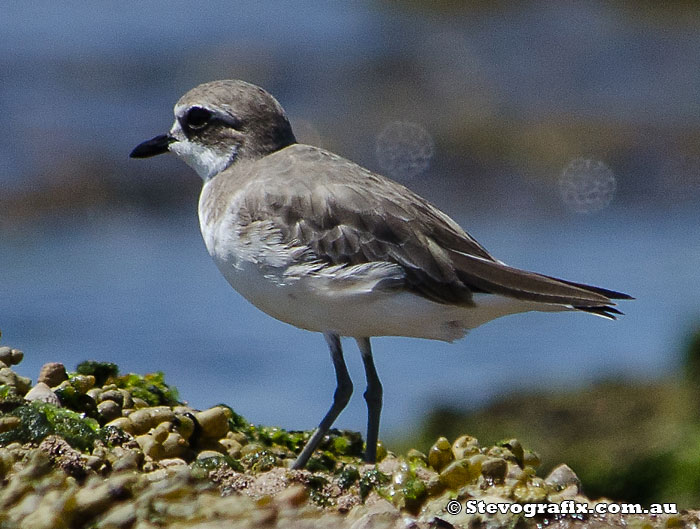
(141, 291)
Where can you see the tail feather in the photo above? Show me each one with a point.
(497, 278)
(612, 294)
(610, 313)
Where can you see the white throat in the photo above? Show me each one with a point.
(206, 161)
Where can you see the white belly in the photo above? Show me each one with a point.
(308, 304)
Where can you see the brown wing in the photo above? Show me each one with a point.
(346, 214)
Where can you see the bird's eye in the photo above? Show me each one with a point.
(197, 117)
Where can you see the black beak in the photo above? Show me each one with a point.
(152, 147)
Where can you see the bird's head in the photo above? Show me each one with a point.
(219, 123)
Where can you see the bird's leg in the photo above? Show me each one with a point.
(342, 394)
(373, 396)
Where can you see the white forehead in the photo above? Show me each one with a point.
(181, 110)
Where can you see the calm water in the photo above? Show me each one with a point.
(141, 291)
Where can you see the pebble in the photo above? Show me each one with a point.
(523, 493)
(516, 449)
(238, 436)
(10, 356)
(160, 432)
(458, 473)
(416, 455)
(146, 418)
(174, 445)
(158, 474)
(43, 393)
(9, 423)
(494, 469)
(184, 425)
(83, 383)
(52, 374)
(141, 421)
(127, 400)
(122, 422)
(49, 512)
(251, 448)
(140, 403)
(93, 462)
(562, 476)
(214, 422)
(207, 454)
(465, 446)
(440, 454)
(173, 462)
(233, 447)
(10, 378)
(127, 460)
(531, 459)
(114, 395)
(151, 448)
(109, 410)
(7, 459)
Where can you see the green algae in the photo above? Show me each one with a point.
(260, 461)
(40, 419)
(9, 398)
(271, 436)
(102, 371)
(345, 443)
(348, 476)
(325, 462)
(371, 480)
(407, 490)
(337, 445)
(150, 387)
(207, 464)
(318, 490)
(71, 398)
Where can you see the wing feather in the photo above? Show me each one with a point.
(346, 216)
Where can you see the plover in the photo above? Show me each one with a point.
(326, 245)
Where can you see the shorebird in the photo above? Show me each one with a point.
(323, 244)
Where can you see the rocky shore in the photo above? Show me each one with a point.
(97, 448)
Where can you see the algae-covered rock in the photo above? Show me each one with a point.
(120, 451)
(9, 378)
(101, 371)
(458, 473)
(440, 454)
(407, 490)
(40, 419)
(150, 388)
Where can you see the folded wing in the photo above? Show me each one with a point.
(347, 215)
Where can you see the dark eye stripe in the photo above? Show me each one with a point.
(197, 118)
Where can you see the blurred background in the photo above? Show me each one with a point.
(564, 136)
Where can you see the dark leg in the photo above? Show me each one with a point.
(373, 396)
(342, 394)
